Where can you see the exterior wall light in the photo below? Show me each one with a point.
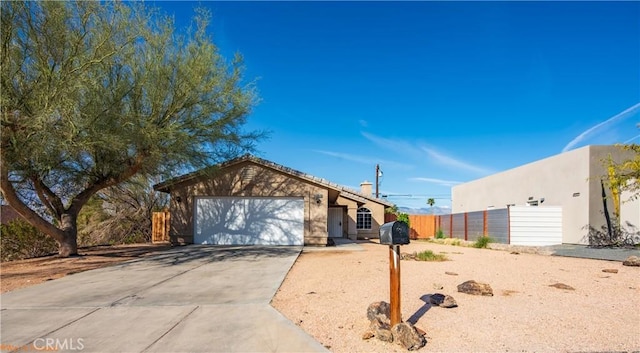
(318, 198)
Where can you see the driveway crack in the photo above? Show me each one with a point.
(132, 297)
(170, 329)
(58, 329)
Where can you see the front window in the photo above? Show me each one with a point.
(363, 218)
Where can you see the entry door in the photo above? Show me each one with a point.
(335, 223)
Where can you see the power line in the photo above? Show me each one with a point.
(411, 196)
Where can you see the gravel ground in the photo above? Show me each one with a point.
(327, 294)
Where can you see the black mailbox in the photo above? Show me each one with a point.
(394, 233)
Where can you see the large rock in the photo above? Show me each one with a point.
(475, 288)
(445, 301)
(381, 330)
(379, 310)
(407, 336)
(632, 261)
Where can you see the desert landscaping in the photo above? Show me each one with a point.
(540, 303)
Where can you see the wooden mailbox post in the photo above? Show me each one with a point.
(394, 234)
(394, 284)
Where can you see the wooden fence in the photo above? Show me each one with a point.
(422, 226)
(160, 227)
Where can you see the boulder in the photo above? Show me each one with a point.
(381, 330)
(407, 336)
(475, 288)
(632, 261)
(379, 310)
(445, 301)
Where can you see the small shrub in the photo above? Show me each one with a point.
(482, 242)
(456, 242)
(20, 240)
(429, 255)
(403, 217)
(440, 234)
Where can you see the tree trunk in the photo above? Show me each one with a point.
(68, 246)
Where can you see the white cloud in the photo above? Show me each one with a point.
(363, 123)
(408, 149)
(631, 139)
(600, 126)
(365, 160)
(454, 163)
(437, 181)
(401, 147)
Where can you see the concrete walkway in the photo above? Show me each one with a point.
(188, 299)
(585, 252)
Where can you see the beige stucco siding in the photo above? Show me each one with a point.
(248, 180)
(571, 180)
(377, 219)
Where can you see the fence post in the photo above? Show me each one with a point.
(451, 225)
(466, 226)
(484, 223)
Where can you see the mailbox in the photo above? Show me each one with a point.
(394, 233)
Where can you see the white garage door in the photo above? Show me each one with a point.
(249, 220)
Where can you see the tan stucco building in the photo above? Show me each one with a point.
(574, 180)
(249, 200)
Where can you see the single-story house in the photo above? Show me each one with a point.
(575, 180)
(249, 200)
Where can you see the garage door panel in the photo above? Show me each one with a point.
(246, 221)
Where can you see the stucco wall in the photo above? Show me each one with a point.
(248, 179)
(377, 219)
(571, 180)
(630, 212)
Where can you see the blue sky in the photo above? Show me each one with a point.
(437, 93)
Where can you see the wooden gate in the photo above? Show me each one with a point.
(160, 227)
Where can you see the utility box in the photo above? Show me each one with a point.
(394, 233)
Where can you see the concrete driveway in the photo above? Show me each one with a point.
(188, 299)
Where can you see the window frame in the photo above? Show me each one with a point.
(364, 219)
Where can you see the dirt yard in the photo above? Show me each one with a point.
(23, 273)
(327, 295)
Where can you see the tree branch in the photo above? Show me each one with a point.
(100, 184)
(10, 195)
(48, 197)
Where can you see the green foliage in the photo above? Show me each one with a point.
(403, 217)
(440, 234)
(624, 175)
(483, 242)
(94, 93)
(429, 255)
(400, 216)
(20, 240)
